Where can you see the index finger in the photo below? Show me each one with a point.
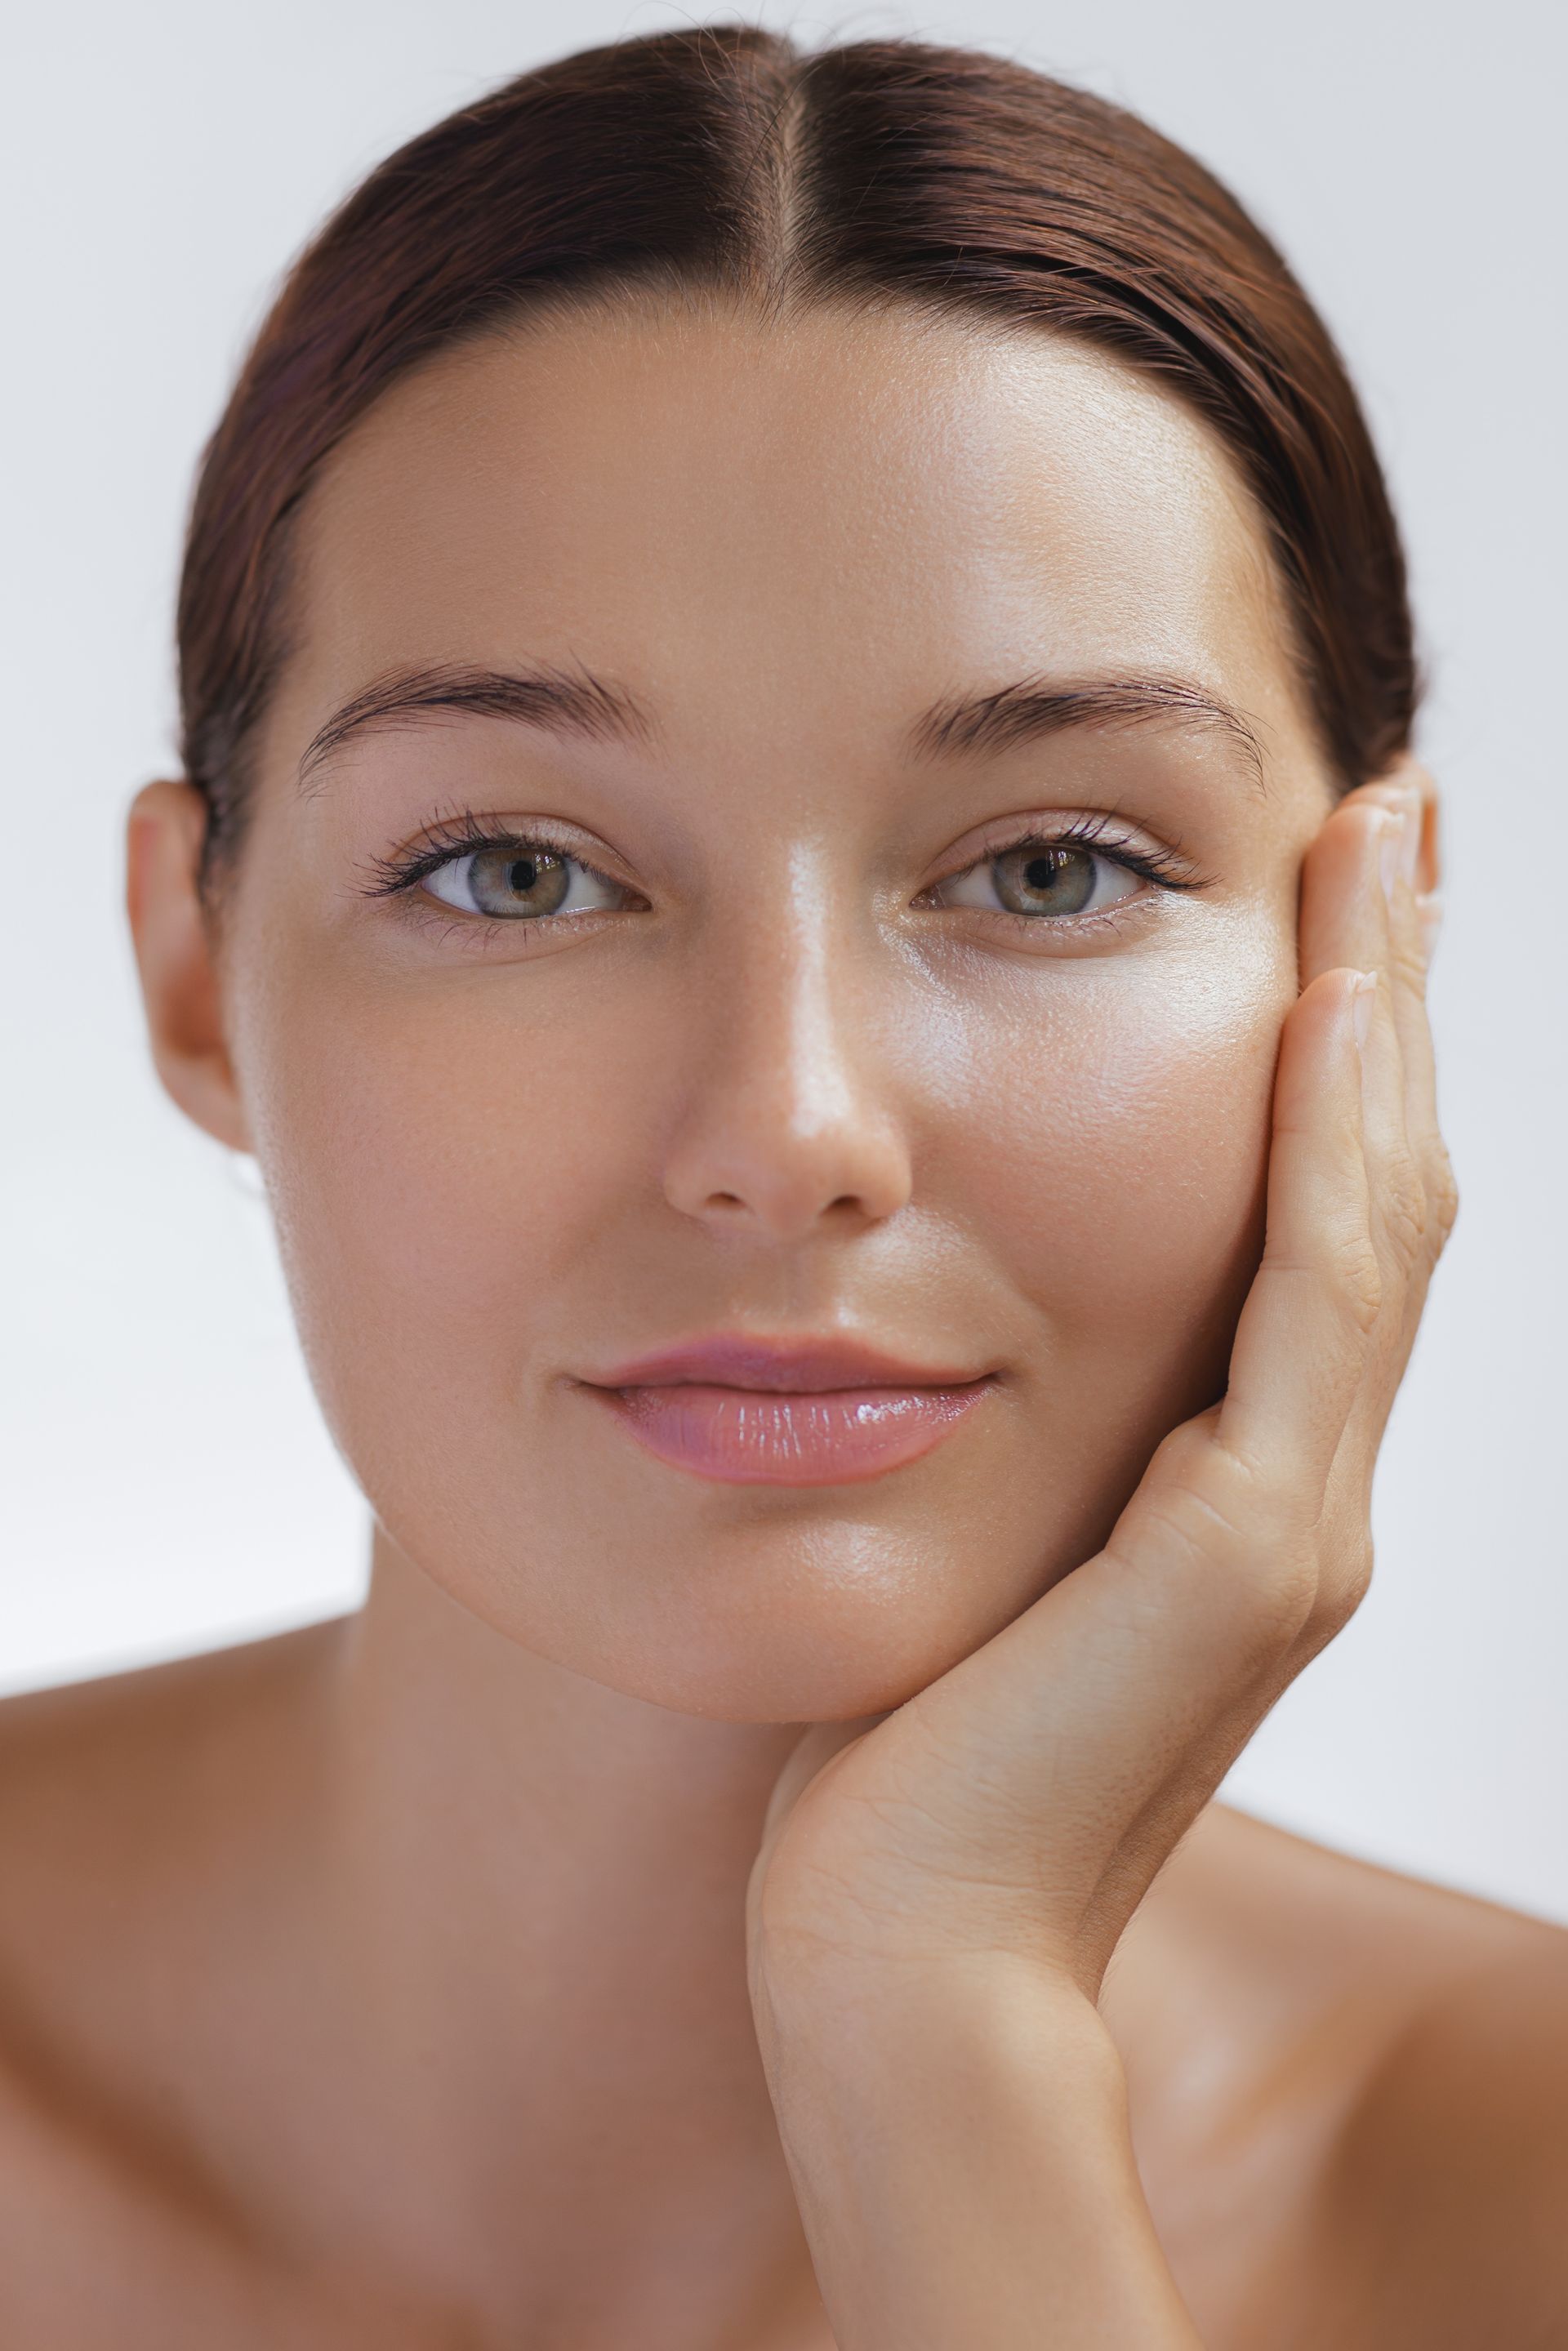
(1361, 903)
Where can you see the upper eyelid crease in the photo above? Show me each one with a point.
(466, 835)
(1164, 861)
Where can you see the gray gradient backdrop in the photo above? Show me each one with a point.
(168, 1485)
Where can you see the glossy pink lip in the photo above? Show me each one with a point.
(748, 1412)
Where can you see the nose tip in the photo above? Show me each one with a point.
(791, 1122)
(782, 1183)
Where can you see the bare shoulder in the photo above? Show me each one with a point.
(116, 1796)
(104, 1779)
(1435, 2210)
(140, 1709)
(1443, 2215)
(1275, 1942)
(136, 1812)
(130, 1810)
(112, 2241)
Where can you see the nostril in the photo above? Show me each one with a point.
(778, 1181)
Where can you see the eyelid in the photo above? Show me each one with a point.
(1097, 830)
(455, 876)
(466, 834)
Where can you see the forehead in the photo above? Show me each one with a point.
(754, 522)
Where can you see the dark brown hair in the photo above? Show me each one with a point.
(725, 158)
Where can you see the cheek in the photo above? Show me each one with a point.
(1117, 1173)
(1119, 1185)
(439, 1166)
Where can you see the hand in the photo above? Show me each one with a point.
(1022, 1803)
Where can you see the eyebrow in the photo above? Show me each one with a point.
(558, 701)
(576, 703)
(984, 724)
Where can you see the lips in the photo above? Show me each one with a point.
(748, 1411)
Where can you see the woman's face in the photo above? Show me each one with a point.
(885, 946)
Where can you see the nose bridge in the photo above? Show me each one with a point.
(807, 994)
(791, 1114)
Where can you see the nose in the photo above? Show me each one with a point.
(791, 1126)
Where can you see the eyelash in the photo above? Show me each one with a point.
(1166, 866)
(467, 834)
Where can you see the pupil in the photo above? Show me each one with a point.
(1045, 878)
(534, 882)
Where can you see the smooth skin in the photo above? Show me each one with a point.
(712, 1917)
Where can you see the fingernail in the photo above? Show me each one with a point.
(1429, 915)
(1391, 830)
(1363, 996)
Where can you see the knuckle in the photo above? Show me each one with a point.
(1409, 964)
(1358, 1571)
(1406, 1207)
(1345, 1267)
(1271, 1592)
(1407, 967)
(1185, 1449)
(1292, 1570)
(1356, 1279)
(1257, 1533)
(1343, 1545)
(1328, 1617)
(1291, 1598)
(1343, 1593)
(1185, 1508)
(1310, 1602)
(1443, 1195)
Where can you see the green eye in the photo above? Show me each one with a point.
(1041, 878)
(1032, 881)
(520, 881)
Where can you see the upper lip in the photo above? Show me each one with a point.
(780, 1365)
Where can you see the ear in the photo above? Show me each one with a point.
(174, 955)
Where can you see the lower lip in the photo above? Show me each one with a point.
(762, 1436)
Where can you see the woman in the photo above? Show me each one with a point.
(799, 860)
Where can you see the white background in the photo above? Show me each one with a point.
(167, 1483)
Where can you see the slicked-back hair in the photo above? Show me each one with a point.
(887, 171)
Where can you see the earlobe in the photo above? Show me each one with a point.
(165, 829)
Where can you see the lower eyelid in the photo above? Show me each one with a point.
(1042, 932)
(478, 933)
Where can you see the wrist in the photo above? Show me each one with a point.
(962, 2159)
(938, 2024)
(887, 1998)
(963, 2058)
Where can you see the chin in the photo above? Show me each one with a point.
(777, 1620)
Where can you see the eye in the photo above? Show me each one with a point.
(520, 881)
(1041, 877)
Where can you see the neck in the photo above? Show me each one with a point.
(534, 1896)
